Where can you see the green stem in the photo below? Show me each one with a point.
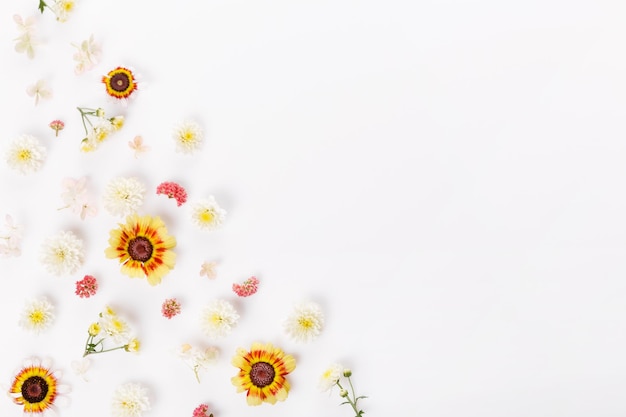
(350, 400)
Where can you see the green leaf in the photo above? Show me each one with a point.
(42, 5)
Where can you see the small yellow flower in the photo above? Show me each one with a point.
(94, 329)
(117, 122)
(133, 346)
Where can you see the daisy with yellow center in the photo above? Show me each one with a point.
(37, 316)
(143, 247)
(25, 154)
(120, 83)
(36, 387)
(207, 215)
(188, 137)
(305, 323)
(262, 373)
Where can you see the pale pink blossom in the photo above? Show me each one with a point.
(137, 145)
(208, 270)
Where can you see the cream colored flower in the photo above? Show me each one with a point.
(330, 377)
(62, 9)
(25, 154)
(39, 90)
(87, 55)
(207, 215)
(62, 254)
(188, 137)
(26, 41)
(123, 196)
(130, 400)
(218, 319)
(37, 316)
(305, 322)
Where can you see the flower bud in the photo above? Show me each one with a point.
(94, 329)
(347, 373)
(100, 113)
(132, 346)
(343, 393)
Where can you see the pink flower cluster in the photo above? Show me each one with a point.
(170, 308)
(86, 287)
(202, 411)
(56, 125)
(173, 190)
(248, 287)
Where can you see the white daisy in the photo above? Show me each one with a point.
(25, 154)
(330, 377)
(130, 400)
(305, 322)
(188, 137)
(123, 196)
(115, 327)
(62, 254)
(62, 9)
(206, 214)
(218, 319)
(37, 316)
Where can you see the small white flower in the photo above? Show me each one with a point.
(26, 41)
(206, 214)
(25, 154)
(188, 137)
(197, 359)
(62, 9)
(76, 197)
(39, 90)
(37, 316)
(80, 367)
(87, 55)
(10, 238)
(130, 400)
(62, 254)
(115, 327)
(123, 196)
(305, 322)
(330, 377)
(218, 319)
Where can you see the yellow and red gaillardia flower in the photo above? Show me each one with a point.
(120, 83)
(262, 373)
(143, 247)
(36, 387)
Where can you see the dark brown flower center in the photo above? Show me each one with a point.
(120, 82)
(262, 374)
(140, 249)
(34, 389)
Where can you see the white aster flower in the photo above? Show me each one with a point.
(130, 400)
(37, 316)
(123, 196)
(188, 137)
(62, 254)
(330, 377)
(87, 55)
(62, 9)
(206, 214)
(26, 41)
(39, 90)
(25, 154)
(115, 327)
(305, 322)
(218, 319)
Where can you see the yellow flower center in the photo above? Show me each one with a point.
(61, 255)
(37, 317)
(188, 136)
(305, 322)
(207, 216)
(217, 319)
(68, 6)
(24, 155)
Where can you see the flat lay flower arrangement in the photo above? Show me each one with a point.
(143, 244)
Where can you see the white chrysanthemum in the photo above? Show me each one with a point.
(218, 319)
(25, 154)
(123, 196)
(305, 322)
(130, 400)
(62, 254)
(62, 9)
(188, 137)
(330, 377)
(37, 316)
(115, 327)
(206, 214)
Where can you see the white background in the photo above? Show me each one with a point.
(445, 178)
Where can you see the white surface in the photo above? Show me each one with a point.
(445, 178)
